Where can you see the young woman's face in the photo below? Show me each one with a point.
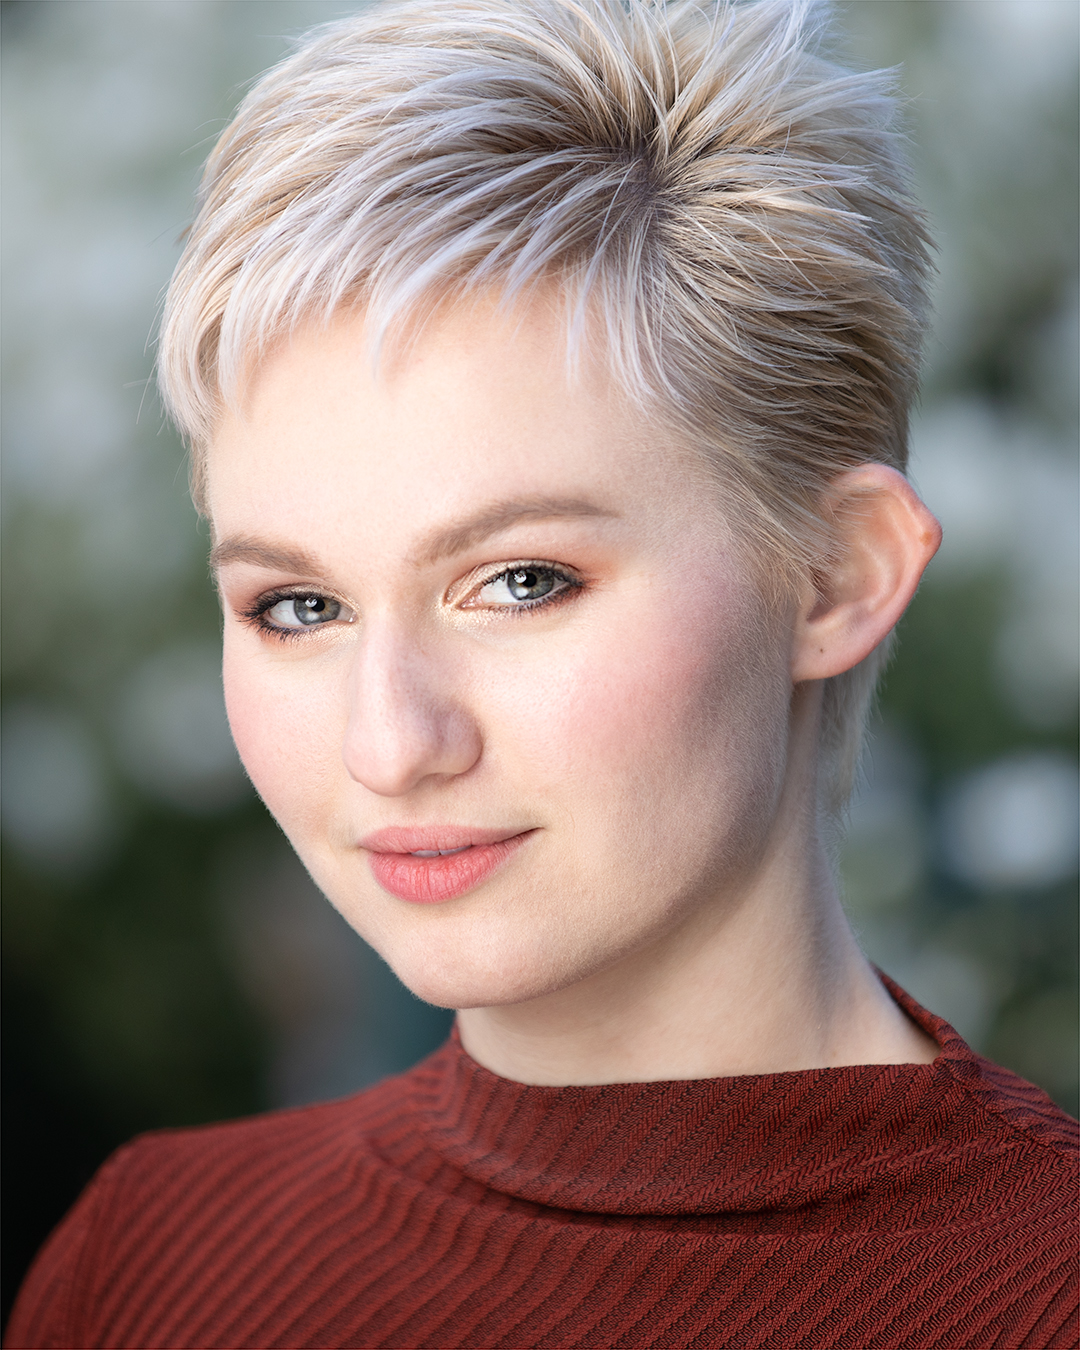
(491, 657)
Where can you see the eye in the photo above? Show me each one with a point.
(524, 586)
(293, 613)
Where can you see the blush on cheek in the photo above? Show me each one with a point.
(250, 727)
(275, 736)
(697, 663)
(690, 706)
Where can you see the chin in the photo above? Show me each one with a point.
(479, 971)
(467, 984)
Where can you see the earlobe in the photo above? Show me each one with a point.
(885, 538)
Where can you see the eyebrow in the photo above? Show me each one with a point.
(444, 542)
(273, 557)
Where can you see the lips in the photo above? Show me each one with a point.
(451, 861)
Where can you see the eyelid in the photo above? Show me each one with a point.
(268, 598)
(475, 581)
(254, 614)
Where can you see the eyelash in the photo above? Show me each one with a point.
(255, 614)
(573, 584)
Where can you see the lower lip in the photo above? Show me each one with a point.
(429, 881)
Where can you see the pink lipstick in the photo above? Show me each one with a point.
(429, 865)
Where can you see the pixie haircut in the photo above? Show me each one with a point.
(725, 206)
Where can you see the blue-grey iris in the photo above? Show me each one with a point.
(315, 609)
(527, 583)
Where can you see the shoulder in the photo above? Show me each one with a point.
(312, 1137)
(173, 1197)
(994, 1169)
(1025, 1150)
(1009, 1114)
(1021, 1109)
(307, 1144)
(251, 1160)
(991, 1104)
(1018, 1243)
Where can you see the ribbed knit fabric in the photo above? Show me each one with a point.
(909, 1206)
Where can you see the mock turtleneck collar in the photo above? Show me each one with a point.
(827, 1141)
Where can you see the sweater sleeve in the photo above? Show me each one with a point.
(50, 1312)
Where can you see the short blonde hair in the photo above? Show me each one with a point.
(733, 206)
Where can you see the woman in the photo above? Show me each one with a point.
(546, 369)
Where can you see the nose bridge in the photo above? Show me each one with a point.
(406, 718)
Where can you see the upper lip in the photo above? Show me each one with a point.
(429, 838)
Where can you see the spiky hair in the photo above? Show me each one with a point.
(725, 206)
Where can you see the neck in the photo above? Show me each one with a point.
(766, 978)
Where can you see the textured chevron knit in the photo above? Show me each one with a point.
(906, 1205)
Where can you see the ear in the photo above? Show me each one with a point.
(885, 538)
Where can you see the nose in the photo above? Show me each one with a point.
(406, 723)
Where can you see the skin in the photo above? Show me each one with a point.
(672, 913)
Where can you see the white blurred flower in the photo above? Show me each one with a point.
(1015, 822)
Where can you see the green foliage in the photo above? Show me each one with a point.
(944, 689)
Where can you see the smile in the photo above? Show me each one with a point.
(437, 867)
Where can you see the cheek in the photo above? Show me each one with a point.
(284, 726)
(683, 700)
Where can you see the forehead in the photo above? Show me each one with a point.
(480, 407)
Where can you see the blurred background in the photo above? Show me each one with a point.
(166, 960)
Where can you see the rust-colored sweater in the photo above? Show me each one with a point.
(903, 1205)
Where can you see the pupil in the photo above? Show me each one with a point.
(312, 609)
(529, 584)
